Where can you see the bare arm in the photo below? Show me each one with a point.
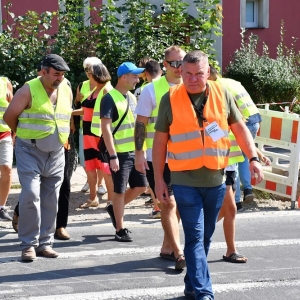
(139, 139)
(263, 158)
(245, 141)
(9, 94)
(109, 142)
(20, 101)
(77, 112)
(158, 160)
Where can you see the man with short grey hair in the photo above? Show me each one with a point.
(193, 123)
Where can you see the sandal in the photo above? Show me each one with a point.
(180, 262)
(90, 203)
(235, 258)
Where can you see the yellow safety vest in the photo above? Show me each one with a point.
(243, 100)
(124, 137)
(161, 87)
(235, 154)
(3, 104)
(41, 119)
(96, 121)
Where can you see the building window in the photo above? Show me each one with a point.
(251, 14)
(254, 13)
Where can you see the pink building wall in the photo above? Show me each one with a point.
(278, 10)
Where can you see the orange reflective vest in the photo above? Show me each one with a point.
(186, 150)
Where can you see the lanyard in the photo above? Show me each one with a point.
(199, 111)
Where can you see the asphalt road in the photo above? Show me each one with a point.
(93, 266)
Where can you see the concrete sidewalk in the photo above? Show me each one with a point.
(78, 177)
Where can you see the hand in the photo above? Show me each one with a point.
(140, 163)
(114, 165)
(161, 190)
(256, 168)
(266, 160)
(79, 97)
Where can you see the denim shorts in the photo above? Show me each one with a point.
(127, 174)
(6, 152)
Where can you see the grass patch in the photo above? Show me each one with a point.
(15, 186)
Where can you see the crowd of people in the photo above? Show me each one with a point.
(182, 135)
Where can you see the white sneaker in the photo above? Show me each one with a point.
(101, 190)
(85, 188)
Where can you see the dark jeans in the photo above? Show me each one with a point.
(64, 196)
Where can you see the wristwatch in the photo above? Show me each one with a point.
(254, 158)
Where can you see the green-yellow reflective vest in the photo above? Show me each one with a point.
(41, 119)
(3, 104)
(243, 100)
(96, 121)
(161, 87)
(124, 137)
(235, 154)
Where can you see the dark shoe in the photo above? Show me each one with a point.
(155, 214)
(180, 262)
(189, 294)
(28, 254)
(15, 221)
(48, 252)
(149, 202)
(123, 236)
(4, 216)
(239, 206)
(248, 196)
(62, 234)
(110, 210)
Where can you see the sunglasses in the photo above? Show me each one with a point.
(175, 63)
(86, 69)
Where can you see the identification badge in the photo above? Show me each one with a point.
(214, 131)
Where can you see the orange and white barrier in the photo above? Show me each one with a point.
(280, 130)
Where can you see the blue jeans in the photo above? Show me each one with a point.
(198, 209)
(243, 174)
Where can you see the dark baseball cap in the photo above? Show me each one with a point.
(56, 62)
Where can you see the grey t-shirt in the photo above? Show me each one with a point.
(202, 177)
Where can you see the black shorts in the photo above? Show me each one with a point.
(167, 178)
(127, 174)
(230, 179)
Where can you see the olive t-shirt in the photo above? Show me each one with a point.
(202, 177)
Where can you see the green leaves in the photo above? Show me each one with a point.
(267, 80)
(121, 31)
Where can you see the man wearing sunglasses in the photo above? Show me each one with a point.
(147, 111)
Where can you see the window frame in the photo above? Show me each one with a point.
(262, 15)
(253, 24)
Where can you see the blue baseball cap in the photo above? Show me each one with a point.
(128, 67)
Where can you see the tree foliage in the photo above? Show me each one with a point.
(127, 32)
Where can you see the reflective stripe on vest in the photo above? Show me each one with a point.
(3, 104)
(161, 87)
(40, 120)
(186, 150)
(235, 154)
(96, 121)
(243, 100)
(124, 137)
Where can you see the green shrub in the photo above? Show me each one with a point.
(267, 80)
